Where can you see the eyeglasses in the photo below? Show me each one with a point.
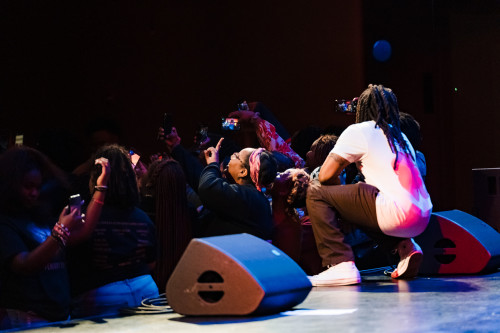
(236, 155)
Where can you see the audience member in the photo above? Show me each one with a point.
(99, 131)
(117, 255)
(283, 161)
(268, 136)
(112, 269)
(303, 139)
(190, 164)
(292, 229)
(411, 128)
(319, 151)
(34, 284)
(241, 207)
(266, 114)
(165, 184)
(392, 206)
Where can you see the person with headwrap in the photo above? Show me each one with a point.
(242, 206)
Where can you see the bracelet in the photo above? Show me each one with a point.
(99, 202)
(60, 233)
(101, 188)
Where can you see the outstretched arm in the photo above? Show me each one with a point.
(268, 137)
(267, 115)
(191, 165)
(31, 262)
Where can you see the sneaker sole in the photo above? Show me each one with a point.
(338, 282)
(410, 266)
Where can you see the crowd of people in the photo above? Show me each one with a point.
(316, 195)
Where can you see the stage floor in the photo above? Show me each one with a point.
(378, 304)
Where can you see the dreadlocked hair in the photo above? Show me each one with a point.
(380, 104)
(167, 184)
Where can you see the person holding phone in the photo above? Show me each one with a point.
(112, 268)
(34, 284)
(392, 205)
(241, 207)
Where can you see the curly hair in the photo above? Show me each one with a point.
(321, 148)
(298, 182)
(122, 185)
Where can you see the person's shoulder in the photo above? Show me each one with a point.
(366, 124)
(356, 129)
(359, 126)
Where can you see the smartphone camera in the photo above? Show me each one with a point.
(346, 106)
(242, 106)
(230, 124)
(201, 135)
(75, 201)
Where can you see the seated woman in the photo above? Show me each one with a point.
(165, 186)
(241, 207)
(34, 284)
(112, 269)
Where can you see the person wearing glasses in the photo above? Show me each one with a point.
(242, 206)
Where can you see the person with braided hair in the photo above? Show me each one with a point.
(391, 206)
(241, 207)
(166, 187)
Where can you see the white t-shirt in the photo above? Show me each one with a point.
(403, 204)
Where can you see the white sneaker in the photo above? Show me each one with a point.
(342, 274)
(410, 258)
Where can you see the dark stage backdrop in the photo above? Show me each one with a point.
(68, 62)
(65, 63)
(445, 71)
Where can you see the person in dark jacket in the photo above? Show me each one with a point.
(241, 207)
